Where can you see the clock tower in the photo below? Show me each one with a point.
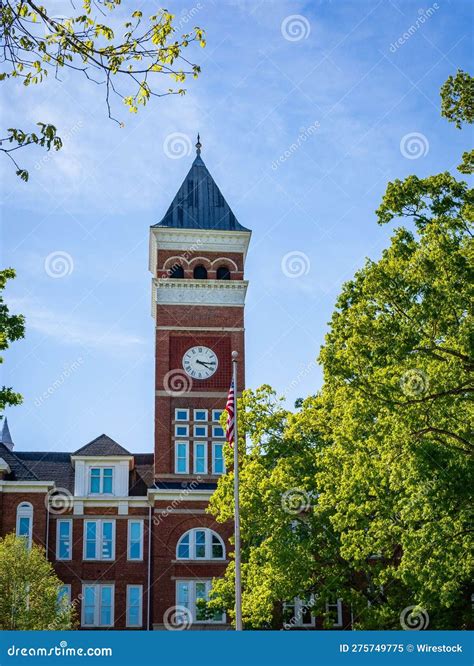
(197, 257)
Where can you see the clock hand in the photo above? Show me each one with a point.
(204, 363)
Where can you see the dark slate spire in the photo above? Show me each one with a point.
(5, 437)
(199, 203)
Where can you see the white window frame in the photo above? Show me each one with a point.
(98, 607)
(207, 544)
(339, 622)
(129, 539)
(214, 445)
(206, 420)
(214, 417)
(200, 425)
(181, 424)
(140, 607)
(25, 510)
(58, 539)
(101, 468)
(192, 599)
(98, 540)
(181, 409)
(298, 606)
(195, 445)
(176, 444)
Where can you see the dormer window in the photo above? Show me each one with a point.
(101, 481)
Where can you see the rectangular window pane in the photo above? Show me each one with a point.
(107, 533)
(107, 481)
(200, 414)
(182, 457)
(200, 594)
(200, 457)
(200, 537)
(181, 415)
(95, 480)
(24, 527)
(217, 431)
(64, 595)
(64, 529)
(218, 459)
(135, 545)
(216, 414)
(181, 431)
(200, 431)
(89, 604)
(134, 600)
(91, 534)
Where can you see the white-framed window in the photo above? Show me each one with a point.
(200, 543)
(218, 462)
(188, 594)
(297, 613)
(218, 431)
(200, 414)
(97, 605)
(64, 539)
(200, 431)
(135, 540)
(101, 480)
(99, 539)
(181, 414)
(216, 414)
(200, 458)
(181, 430)
(181, 457)
(24, 522)
(64, 595)
(134, 605)
(334, 608)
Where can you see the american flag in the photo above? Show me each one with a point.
(229, 408)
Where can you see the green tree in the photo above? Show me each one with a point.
(457, 105)
(12, 327)
(37, 43)
(29, 590)
(384, 451)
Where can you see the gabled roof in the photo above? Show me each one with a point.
(49, 466)
(199, 203)
(19, 470)
(103, 445)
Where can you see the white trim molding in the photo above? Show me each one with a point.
(228, 293)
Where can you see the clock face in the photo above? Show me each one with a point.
(200, 362)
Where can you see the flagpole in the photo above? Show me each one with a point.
(238, 579)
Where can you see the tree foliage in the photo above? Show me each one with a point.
(384, 451)
(29, 590)
(12, 327)
(36, 44)
(457, 105)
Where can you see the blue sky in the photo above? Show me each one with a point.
(325, 77)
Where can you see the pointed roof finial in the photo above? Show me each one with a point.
(5, 437)
(198, 145)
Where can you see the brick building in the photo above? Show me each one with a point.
(127, 532)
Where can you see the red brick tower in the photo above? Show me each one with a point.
(197, 256)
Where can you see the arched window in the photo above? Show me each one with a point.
(223, 273)
(24, 522)
(176, 272)
(200, 273)
(200, 544)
